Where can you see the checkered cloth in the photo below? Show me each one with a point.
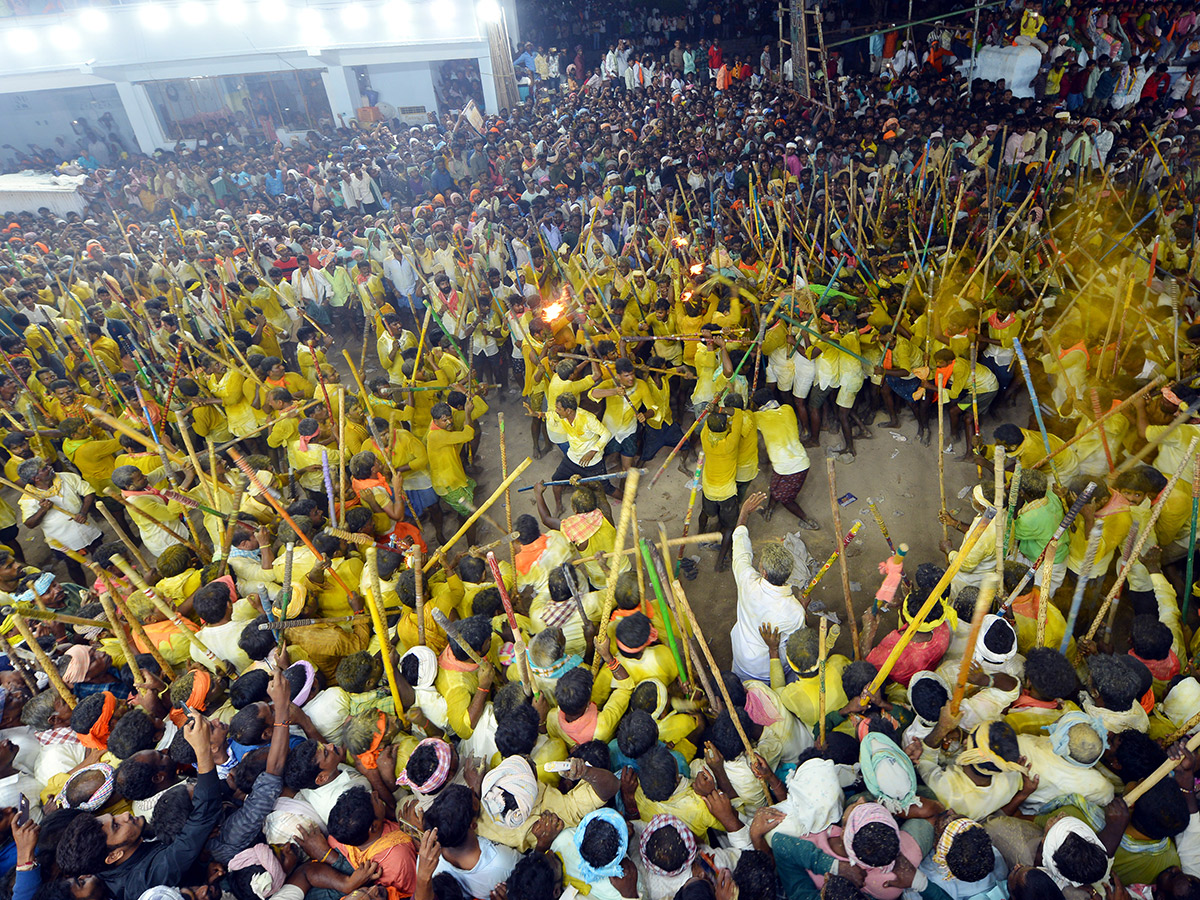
(581, 526)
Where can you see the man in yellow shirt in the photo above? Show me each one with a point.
(94, 459)
(625, 398)
(445, 465)
(789, 460)
(586, 439)
(718, 479)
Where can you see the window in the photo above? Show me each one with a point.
(252, 105)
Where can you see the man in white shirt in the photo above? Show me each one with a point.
(399, 272)
(60, 503)
(312, 287)
(763, 597)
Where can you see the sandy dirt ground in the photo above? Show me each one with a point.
(893, 468)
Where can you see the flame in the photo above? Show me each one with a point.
(697, 268)
(681, 241)
(553, 311)
(687, 295)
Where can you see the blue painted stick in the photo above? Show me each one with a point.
(1037, 409)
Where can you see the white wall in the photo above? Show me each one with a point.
(404, 84)
(39, 117)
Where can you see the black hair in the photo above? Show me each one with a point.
(352, 816)
(527, 528)
(658, 773)
(246, 772)
(360, 671)
(301, 769)
(666, 849)
(82, 849)
(135, 779)
(517, 732)
(634, 630)
(1050, 673)
(533, 878)
(486, 603)
(755, 875)
(133, 732)
(1036, 885)
(451, 814)
(970, 857)
(211, 602)
(249, 688)
(1136, 755)
(737, 691)
(421, 764)
(600, 843)
(876, 844)
(595, 753)
(472, 569)
(1115, 682)
(171, 813)
(1161, 812)
(856, 676)
(476, 632)
(573, 691)
(1081, 861)
(927, 697)
(1003, 740)
(1151, 639)
(636, 733)
(87, 712)
(1000, 637)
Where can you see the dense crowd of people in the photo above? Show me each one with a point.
(272, 628)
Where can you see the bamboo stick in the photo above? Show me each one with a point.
(983, 605)
(479, 511)
(1132, 795)
(374, 606)
(837, 529)
(43, 660)
(610, 592)
(1145, 533)
(19, 664)
(941, 457)
(124, 537)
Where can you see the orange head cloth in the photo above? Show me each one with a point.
(97, 737)
(370, 757)
(197, 699)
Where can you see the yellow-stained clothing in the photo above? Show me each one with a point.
(718, 478)
(802, 696)
(94, 459)
(445, 464)
(607, 718)
(300, 458)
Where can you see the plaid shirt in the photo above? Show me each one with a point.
(54, 736)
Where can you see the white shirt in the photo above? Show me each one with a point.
(494, 865)
(323, 798)
(313, 287)
(758, 601)
(57, 526)
(401, 274)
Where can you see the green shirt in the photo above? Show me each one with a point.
(1035, 525)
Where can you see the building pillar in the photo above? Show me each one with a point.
(142, 117)
(337, 81)
(488, 84)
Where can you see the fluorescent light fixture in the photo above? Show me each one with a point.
(193, 13)
(23, 40)
(153, 17)
(488, 11)
(92, 20)
(65, 36)
(231, 11)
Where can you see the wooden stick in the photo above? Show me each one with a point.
(673, 542)
(837, 529)
(983, 605)
(185, 433)
(124, 536)
(512, 545)
(822, 650)
(53, 615)
(610, 590)
(1136, 458)
(171, 613)
(682, 599)
(19, 664)
(118, 632)
(43, 660)
(941, 456)
(136, 513)
(1132, 795)
(419, 588)
(998, 497)
(935, 595)
(139, 632)
(374, 606)
(1044, 593)
(479, 511)
(1182, 731)
(341, 519)
(25, 491)
(1145, 533)
(452, 633)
